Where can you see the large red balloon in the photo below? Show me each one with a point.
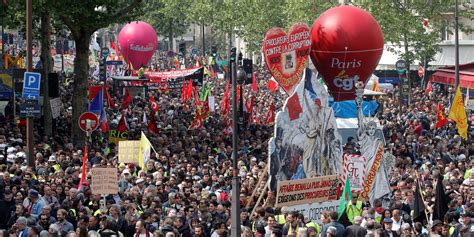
(346, 46)
(138, 41)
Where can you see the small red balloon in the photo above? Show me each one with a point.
(346, 46)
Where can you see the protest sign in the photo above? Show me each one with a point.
(56, 105)
(104, 181)
(303, 191)
(286, 55)
(354, 167)
(314, 210)
(116, 136)
(129, 151)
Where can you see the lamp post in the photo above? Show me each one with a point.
(235, 212)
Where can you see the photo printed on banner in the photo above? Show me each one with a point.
(306, 142)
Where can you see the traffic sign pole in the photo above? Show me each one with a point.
(29, 67)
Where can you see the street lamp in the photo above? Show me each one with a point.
(235, 212)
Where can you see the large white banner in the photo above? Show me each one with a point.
(314, 210)
(306, 142)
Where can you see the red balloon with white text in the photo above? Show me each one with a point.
(346, 46)
(138, 41)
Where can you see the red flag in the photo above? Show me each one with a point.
(205, 109)
(114, 47)
(213, 73)
(249, 108)
(272, 85)
(127, 99)
(270, 117)
(84, 165)
(441, 119)
(110, 101)
(197, 122)
(93, 91)
(166, 89)
(151, 125)
(197, 101)
(122, 126)
(225, 105)
(189, 91)
(294, 107)
(254, 83)
(183, 91)
(425, 23)
(429, 87)
(154, 104)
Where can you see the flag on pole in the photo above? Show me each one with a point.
(419, 208)
(254, 83)
(155, 106)
(441, 119)
(145, 150)
(272, 85)
(441, 201)
(429, 87)
(270, 117)
(122, 126)
(345, 198)
(225, 104)
(127, 99)
(458, 114)
(110, 101)
(197, 122)
(84, 166)
(104, 125)
(151, 124)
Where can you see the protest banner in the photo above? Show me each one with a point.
(129, 151)
(286, 55)
(116, 136)
(304, 191)
(354, 167)
(369, 181)
(104, 181)
(314, 210)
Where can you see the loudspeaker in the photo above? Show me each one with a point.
(53, 85)
(247, 65)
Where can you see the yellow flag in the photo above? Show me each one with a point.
(145, 149)
(458, 114)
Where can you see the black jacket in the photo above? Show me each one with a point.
(6, 210)
(185, 231)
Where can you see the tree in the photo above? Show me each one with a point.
(168, 17)
(402, 24)
(83, 18)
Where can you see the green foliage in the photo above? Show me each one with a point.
(402, 24)
(168, 17)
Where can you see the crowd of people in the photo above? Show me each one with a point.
(185, 190)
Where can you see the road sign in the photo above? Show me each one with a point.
(31, 85)
(114, 62)
(30, 108)
(194, 51)
(88, 122)
(421, 71)
(401, 65)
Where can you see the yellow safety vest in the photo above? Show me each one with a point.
(315, 226)
(353, 211)
(280, 219)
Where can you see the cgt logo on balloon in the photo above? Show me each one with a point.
(346, 44)
(286, 55)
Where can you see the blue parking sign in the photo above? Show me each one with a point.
(31, 85)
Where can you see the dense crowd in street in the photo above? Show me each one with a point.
(185, 190)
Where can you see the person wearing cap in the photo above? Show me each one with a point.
(387, 228)
(52, 162)
(437, 227)
(36, 203)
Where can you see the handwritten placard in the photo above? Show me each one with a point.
(104, 181)
(303, 191)
(129, 151)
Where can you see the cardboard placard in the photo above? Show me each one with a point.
(104, 181)
(129, 151)
(304, 191)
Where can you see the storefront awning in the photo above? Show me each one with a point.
(445, 76)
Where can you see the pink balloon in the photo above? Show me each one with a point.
(138, 41)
